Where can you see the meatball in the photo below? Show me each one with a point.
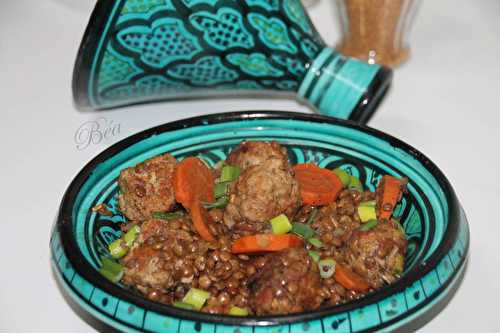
(288, 283)
(378, 254)
(250, 153)
(261, 193)
(163, 255)
(147, 188)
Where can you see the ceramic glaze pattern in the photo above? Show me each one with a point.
(204, 46)
(432, 268)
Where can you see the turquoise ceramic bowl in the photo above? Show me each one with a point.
(430, 213)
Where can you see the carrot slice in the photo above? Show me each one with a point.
(389, 192)
(350, 280)
(200, 218)
(265, 243)
(318, 186)
(193, 182)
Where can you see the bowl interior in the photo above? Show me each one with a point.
(423, 211)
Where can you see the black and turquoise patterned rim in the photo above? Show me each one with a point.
(441, 245)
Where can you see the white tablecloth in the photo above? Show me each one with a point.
(443, 102)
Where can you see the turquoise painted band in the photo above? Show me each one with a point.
(335, 84)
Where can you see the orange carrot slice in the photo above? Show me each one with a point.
(318, 186)
(389, 192)
(200, 218)
(350, 280)
(193, 182)
(265, 243)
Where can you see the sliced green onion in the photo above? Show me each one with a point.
(314, 255)
(237, 311)
(196, 298)
(221, 189)
(183, 305)
(220, 203)
(345, 178)
(280, 224)
(367, 213)
(302, 230)
(111, 270)
(312, 216)
(118, 248)
(168, 216)
(315, 242)
(355, 183)
(369, 225)
(131, 235)
(229, 173)
(327, 268)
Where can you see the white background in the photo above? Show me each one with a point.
(444, 102)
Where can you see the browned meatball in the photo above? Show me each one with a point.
(250, 153)
(378, 254)
(289, 283)
(147, 188)
(163, 255)
(261, 193)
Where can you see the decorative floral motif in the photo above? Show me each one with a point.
(157, 49)
(273, 32)
(204, 72)
(308, 46)
(224, 30)
(254, 64)
(294, 66)
(296, 12)
(166, 42)
(115, 70)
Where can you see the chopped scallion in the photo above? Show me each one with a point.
(183, 305)
(220, 203)
(229, 173)
(168, 216)
(237, 311)
(118, 248)
(315, 242)
(131, 235)
(221, 189)
(280, 224)
(345, 178)
(314, 255)
(111, 270)
(369, 225)
(303, 230)
(327, 268)
(367, 213)
(355, 183)
(196, 298)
